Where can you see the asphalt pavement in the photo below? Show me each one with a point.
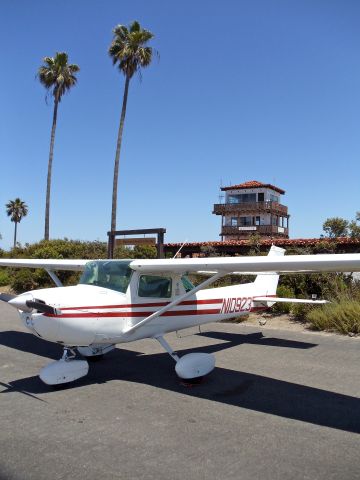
(279, 405)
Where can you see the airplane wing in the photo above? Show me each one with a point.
(48, 264)
(346, 262)
(349, 262)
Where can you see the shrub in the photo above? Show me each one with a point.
(23, 280)
(145, 251)
(123, 252)
(4, 277)
(284, 292)
(342, 316)
(301, 310)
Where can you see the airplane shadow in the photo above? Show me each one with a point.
(27, 342)
(246, 390)
(256, 339)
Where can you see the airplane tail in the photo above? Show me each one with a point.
(267, 283)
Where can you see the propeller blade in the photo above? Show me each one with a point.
(6, 297)
(41, 306)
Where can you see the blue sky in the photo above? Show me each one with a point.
(258, 89)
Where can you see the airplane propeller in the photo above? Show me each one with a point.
(27, 303)
(41, 306)
(6, 297)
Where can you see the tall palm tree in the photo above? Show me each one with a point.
(129, 50)
(16, 210)
(57, 76)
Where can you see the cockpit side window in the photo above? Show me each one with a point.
(114, 275)
(155, 286)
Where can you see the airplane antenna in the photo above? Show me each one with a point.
(180, 249)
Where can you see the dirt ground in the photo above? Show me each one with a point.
(280, 322)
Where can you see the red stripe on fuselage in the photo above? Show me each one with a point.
(170, 313)
(152, 304)
(174, 313)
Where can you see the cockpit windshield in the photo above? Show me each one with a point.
(112, 274)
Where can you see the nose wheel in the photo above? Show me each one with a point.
(65, 370)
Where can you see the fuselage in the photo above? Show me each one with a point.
(91, 313)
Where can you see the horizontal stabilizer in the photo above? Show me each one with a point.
(288, 300)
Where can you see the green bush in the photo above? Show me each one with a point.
(61, 249)
(301, 310)
(145, 251)
(24, 280)
(123, 252)
(284, 292)
(342, 316)
(28, 279)
(139, 251)
(4, 277)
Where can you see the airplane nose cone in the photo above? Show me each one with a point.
(20, 302)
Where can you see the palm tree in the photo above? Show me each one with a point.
(16, 209)
(57, 76)
(130, 51)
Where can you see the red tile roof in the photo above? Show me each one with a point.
(269, 241)
(253, 184)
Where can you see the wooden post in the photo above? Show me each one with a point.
(111, 243)
(160, 244)
(160, 239)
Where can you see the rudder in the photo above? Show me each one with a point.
(266, 284)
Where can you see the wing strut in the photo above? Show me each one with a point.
(54, 277)
(167, 347)
(177, 300)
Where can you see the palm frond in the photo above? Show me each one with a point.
(56, 75)
(135, 26)
(121, 32)
(16, 210)
(128, 48)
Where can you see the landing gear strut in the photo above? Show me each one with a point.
(68, 354)
(191, 367)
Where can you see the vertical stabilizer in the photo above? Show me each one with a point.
(266, 284)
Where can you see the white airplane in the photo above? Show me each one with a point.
(119, 301)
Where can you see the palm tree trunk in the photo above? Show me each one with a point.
(15, 234)
(117, 156)
(48, 184)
